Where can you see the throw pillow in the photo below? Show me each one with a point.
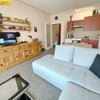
(95, 67)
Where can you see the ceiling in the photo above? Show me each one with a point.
(56, 6)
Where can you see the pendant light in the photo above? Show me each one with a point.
(5, 2)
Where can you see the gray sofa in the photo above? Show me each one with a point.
(68, 70)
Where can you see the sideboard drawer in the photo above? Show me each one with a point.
(5, 50)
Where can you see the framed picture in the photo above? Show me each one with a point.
(35, 29)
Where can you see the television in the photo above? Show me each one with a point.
(7, 38)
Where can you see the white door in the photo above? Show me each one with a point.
(48, 36)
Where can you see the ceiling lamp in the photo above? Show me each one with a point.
(5, 2)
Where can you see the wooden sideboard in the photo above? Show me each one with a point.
(12, 55)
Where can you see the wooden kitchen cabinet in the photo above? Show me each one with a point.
(92, 22)
(78, 23)
(69, 26)
(94, 43)
(88, 23)
(74, 24)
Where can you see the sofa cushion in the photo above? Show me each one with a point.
(73, 91)
(95, 67)
(52, 70)
(84, 56)
(85, 78)
(64, 53)
(59, 73)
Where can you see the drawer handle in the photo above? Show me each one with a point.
(5, 50)
(1, 64)
(26, 56)
(26, 50)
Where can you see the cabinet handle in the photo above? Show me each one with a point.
(26, 50)
(26, 56)
(1, 64)
(5, 50)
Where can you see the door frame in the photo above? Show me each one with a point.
(59, 34)
(51, 36)
(61, 31)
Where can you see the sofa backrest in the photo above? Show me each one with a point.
(64, 53)
(84, 56)
(78, 55)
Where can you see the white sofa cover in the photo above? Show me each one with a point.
(79, 93)
(84, 56)
(59, 72)
(61, 54)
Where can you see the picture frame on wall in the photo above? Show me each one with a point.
(35, 29)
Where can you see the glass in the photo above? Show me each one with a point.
(13, 88)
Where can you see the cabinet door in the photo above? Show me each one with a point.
(2, 67)
(92, 23)
(8, 59)
(36, 50)
(69, 26)
(31, 52)
(28, 50)
(78, 23)
(19, 55)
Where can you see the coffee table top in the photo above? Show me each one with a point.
(13, 88)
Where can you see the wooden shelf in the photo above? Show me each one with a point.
(25, 24)
(16, 21)
(16, 27)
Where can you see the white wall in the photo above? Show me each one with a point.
(61, 19)
(35, 16)
(38, 18)
(77, 15)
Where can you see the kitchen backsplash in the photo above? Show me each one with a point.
(80, 33)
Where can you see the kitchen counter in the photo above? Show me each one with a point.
(72, 40)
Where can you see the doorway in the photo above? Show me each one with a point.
(48, 36)
(52, 35)
(56, 31)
